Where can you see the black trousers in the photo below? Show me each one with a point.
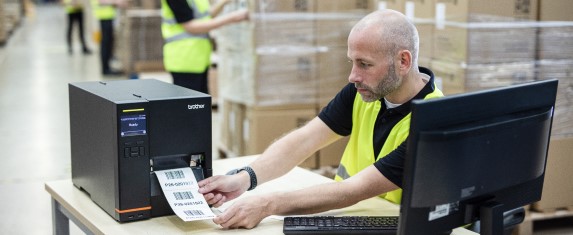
(106, 46)
(76, 18)
(193, 81)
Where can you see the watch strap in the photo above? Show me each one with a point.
(252, 176)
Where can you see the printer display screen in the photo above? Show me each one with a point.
(133, 125)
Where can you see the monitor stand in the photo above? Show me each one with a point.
(491, 217)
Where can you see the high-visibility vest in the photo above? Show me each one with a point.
(71, 8)
(102, 11)
(185, 52)
(359, 152)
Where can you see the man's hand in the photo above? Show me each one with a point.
(238, 15)
(222, 188)
(246, 213)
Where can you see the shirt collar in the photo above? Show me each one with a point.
(428, 88)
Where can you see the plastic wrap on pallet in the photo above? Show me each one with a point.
(561, 70)
(486, 39)
(461, 77)
(555, 40)
(289, 52)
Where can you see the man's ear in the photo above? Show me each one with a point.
(405, 61)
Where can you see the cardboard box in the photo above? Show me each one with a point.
(557, 186)
(555, 10)
(346, 6)
(333, 72)
(489, 41)
(146, 53)
(562, 70)
(326, 37)
(261, 127)
(459, 77)
(463, 10)
(331, 155)
(420, 9)
(235, 127)
(266, 6)
(556, 42)
(268, 78)
(398, 5)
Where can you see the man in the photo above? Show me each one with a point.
(187, 49)
(104, 11)
(373, 109)
(75, 12)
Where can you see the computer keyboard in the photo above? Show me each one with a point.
(341, 225)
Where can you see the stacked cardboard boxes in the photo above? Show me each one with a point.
(3, 24)
(10, 16)
(555, 61)
(475, 41)
(277, 70)
(146, 52)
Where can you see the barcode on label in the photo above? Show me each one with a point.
(193, 212)
(183, 195)
(174, 174)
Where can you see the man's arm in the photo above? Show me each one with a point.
(248, 212)
(292, 149)
(198, 26)
(218, 7)
(278, 159)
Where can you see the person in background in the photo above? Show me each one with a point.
(187, 48)
(105, 11)
(374, 109)
(75, 12)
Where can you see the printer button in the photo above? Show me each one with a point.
(134, 151)
(140, 142)
(141, 151)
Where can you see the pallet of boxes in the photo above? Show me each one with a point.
(140, 43)
(280, 68)
(555, 61)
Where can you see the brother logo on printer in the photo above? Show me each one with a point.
(195, 106)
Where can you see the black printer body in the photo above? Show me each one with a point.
(121, 131)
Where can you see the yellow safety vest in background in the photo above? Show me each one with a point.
(359, 152)
(103, 12)
(185, 52)
(70, 8)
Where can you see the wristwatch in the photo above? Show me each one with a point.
(252, 175)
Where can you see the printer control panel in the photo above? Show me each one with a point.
(134, 149)
(133, 133)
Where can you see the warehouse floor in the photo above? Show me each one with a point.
(35, 69)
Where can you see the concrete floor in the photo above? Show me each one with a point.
(35, 69)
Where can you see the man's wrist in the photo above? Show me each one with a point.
(252, 177)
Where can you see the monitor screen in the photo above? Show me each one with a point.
(473, 156)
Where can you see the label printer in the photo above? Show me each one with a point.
(121, 131)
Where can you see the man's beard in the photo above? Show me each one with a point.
(387, 85)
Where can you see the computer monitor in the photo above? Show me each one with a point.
(475, 155)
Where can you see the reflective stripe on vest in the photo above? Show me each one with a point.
(359, 152)
(183, 51)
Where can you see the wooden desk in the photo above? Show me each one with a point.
(69, 203)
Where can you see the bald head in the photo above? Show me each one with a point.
(392, 30)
